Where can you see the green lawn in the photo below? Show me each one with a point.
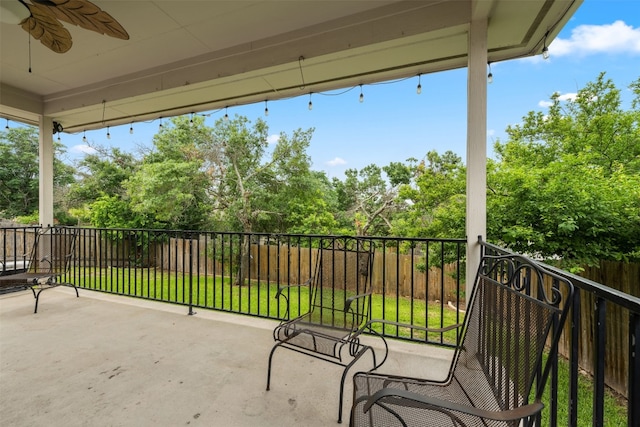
(259, 299)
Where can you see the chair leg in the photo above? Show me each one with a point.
(344, 377)
(269, 370)
(35, 310)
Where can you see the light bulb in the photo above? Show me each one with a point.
(131, 129)
(419, 89)
(108, 134)
(266, 109)
(490, 77)
(226, 116)
(361, 97)
(7, 125)
(310, 105)
(84, 136)
(545, 52)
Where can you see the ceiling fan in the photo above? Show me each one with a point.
(41, 19)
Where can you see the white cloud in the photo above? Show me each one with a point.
(337, 162)
(569, 96)
(590, 39)
(83, 148)
(273, 139)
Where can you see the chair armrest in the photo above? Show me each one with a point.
(298, 285)
(406, 325)
(398, 395)
(353, 298)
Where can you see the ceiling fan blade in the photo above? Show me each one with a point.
(88, 16)
(42, 26)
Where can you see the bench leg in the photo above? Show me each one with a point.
(37, 295)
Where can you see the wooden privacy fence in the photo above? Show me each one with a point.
(621, 276)
(392, 273)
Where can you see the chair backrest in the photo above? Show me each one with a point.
(53, 250)
(516, 311)
(342, 271)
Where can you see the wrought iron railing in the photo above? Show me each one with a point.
(586, 348)
(415, 281)
(16, 245)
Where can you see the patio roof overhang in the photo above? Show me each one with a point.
(191, 56)
(185, 57)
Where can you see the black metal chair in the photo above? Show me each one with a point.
(326, 321)
(50, 259)
(516, 311)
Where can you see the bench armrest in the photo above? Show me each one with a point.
(396, 396)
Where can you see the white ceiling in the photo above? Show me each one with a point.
(190, 56)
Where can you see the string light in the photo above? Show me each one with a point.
(226, 116)
(160, 126)
(266, 108)
(131, 128)
(84, 136)
(419, 88)
(310, 103)
(545, 49)
(7, 126)
(490, 75)
(58, 137)
(191, 120)
(361, 95)
(108, 134)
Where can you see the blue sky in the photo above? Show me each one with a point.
(394, 123)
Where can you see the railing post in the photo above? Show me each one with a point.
(573, 358)
(633, 391)
(600, 340)
(190, 257)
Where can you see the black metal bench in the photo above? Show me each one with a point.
(329, 319)
(517, 310)
(49, 260)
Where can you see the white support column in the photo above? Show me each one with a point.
(476, 146)
(46, 171)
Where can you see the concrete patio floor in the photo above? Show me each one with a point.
(106, 360)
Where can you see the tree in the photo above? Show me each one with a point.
(252, 189)
(435, 197)
(567, 184)
(19, 180)
(367, 201)
(169, 189)
(101, 173)
(101, 177)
